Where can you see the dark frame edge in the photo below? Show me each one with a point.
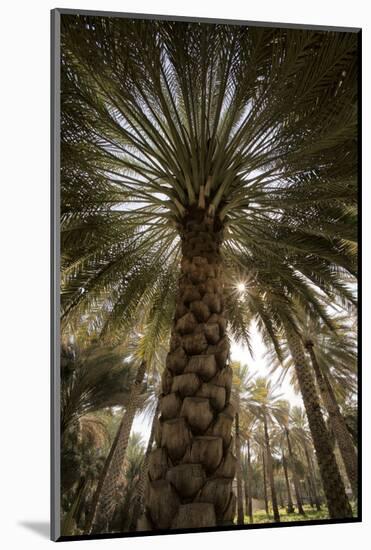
(359, 286)
(55, 276)
(222, 528)
(195, 19)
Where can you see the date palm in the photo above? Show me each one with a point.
(332, 353)
(93, 377)
(107, 489)
(241, 385)
(193, 142)
(335, 352)
(300, 434)
(248, 422)
(284, 407)
(263, 402)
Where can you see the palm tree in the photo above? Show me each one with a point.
(142, 484)
(123, 518)
(248, 424)
(263, 401)
(241, 383)
(332, 344)
(104, 501)
(333, 485)
(290, 506)
(284, 407)
(299, 430)
(82, 458)
(332, 352)
(93, 377)
(284, 301)
(103, 507)
(191, 142)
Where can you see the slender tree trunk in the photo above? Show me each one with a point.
(309, 491)
(104, 502)
(265, 484)
(312, 478)
(192, 469)
(249, 486)
(246, 494)
(69, 523)
(240, 514)
(142, 483)
(82, 504)
(294, 475)
(338, 424)
(337, 500)
(290, 506)
(276, 514)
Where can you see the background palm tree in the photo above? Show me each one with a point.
(335, 375)
(190, 153)
(300, 434)
(241, 384)
(93, 377)
(104, 501)
(263, 402)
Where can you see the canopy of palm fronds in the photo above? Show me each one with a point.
(92, 379)
(255, 126)
(336, 352)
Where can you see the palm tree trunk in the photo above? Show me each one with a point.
(338, 425)
(265, 484)
(308, 486)
(290, 506)
(142, 483)
(295, 478)
(103, 502)
(69, 524)
(337, 500)
(249, 486)
(312, 477)
(246, 495)
(276, 514)
(240, 514)
(192, 469)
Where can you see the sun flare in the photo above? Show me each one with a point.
(241, 287)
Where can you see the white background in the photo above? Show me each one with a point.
(24, 271)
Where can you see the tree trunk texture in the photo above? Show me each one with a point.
(295, 478)
(337, 500)
(276, 513)
(265, 484)
(240, 514)
(338, 425)
(193, 466)
(249, 486)
(290, 506)
(312, 478)
(104, 498)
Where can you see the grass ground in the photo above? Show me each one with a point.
(310, 514)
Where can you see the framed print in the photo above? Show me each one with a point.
(205, 180)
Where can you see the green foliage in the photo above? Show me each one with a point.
(255, 125)
(92, 378)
